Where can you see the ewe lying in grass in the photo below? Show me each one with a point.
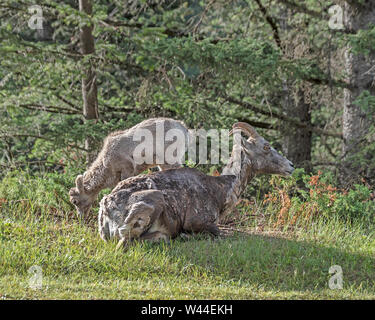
(163, 204)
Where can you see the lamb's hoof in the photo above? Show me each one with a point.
(122, 244)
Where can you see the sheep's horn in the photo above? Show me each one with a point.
(248, 129)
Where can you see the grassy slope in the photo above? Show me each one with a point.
(77, 264)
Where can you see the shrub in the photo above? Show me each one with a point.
(289, 204)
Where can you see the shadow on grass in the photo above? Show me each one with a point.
(273, 263)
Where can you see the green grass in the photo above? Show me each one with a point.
(77, 264)
(38, 227)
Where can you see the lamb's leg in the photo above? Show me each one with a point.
(124, 175)
(127, 168)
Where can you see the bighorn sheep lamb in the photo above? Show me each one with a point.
(115, 161)
(163, 204)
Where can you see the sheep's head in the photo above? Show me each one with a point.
(264, 158)
(80, 198)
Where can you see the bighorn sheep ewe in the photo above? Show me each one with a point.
(115, 161)
(163, 204)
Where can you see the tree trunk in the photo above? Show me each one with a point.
(296, 142)
(89, 88)
(358, 68)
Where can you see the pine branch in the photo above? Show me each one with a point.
(302, 8)
(76, 108)
(51, 109)
(257, 124)
(272, 24)
(292, 121)
(39, 137)
(328, 82)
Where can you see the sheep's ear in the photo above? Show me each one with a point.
(79, 184)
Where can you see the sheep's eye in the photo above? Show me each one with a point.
(267, 147)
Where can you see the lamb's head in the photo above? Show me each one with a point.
(264, 159)
(80, 198)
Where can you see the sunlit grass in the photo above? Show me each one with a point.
(39, 228)
(76, 263)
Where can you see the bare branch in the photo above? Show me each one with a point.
(257, 124)
(38, 137)
(52, 109)
(202, 16)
